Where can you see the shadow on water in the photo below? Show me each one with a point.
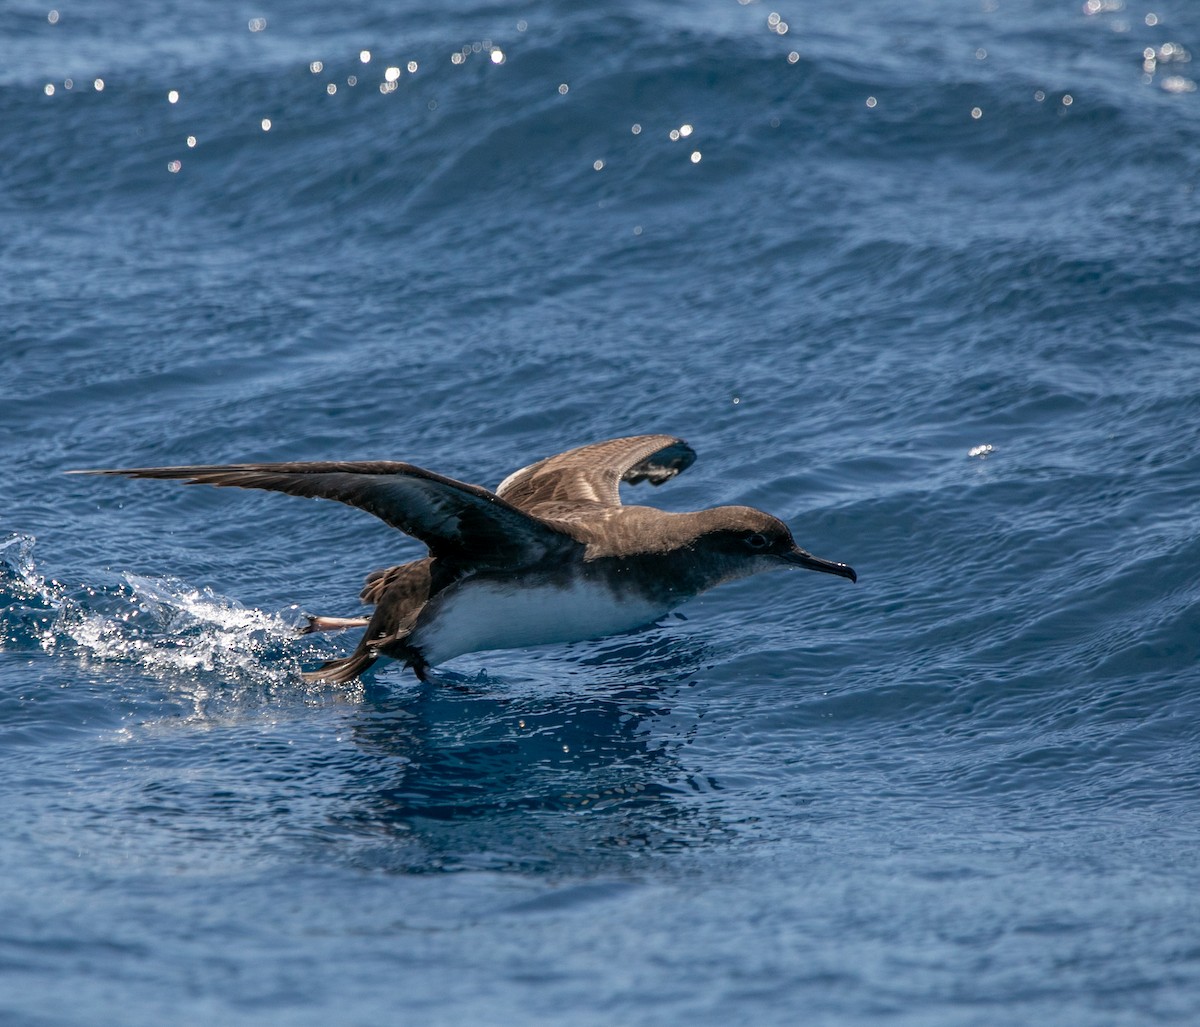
(533, 775)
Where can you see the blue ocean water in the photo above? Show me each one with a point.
(920, 278)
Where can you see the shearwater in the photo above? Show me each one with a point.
(551, 556)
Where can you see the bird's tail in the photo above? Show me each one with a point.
(345, 669)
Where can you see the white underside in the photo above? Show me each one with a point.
(478, 615)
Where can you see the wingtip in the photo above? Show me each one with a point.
(663, 464)
(176, 473)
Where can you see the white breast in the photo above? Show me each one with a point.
(483, 614)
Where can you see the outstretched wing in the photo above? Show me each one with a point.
(462, 524)
(593, 474)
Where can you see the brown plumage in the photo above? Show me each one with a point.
(550, 556)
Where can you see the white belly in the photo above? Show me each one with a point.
(483, 614)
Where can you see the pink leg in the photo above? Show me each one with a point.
(333, 624)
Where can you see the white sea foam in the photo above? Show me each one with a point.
(166, 626)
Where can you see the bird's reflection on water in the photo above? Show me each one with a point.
(488, 773)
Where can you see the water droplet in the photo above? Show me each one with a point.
(173, 166)
(977, 113)
(316, 67)
(266, 124)
(563, 89)
(173, 96)
(497, 56)
(364, 56)
(695, 157)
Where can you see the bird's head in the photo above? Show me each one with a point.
(752, 541)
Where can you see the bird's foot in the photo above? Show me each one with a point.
(332, 623)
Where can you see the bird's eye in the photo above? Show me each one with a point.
(757, 540)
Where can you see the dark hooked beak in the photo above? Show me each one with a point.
(814, 563)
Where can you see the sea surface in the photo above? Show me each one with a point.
(921, 278)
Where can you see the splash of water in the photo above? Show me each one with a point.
(166, 626)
